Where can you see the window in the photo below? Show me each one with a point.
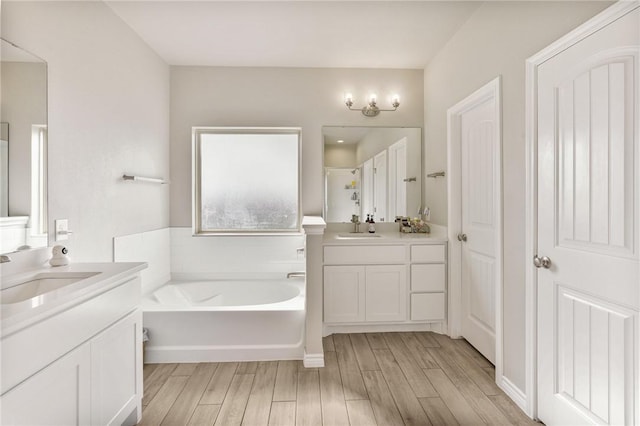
(246, 180)
(38, 180)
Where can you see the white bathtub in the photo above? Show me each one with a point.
(225, 320)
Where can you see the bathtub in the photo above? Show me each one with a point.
(225, 320)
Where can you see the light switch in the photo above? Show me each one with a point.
(62, 229)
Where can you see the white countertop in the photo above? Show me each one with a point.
(18, 315)
(438, 235)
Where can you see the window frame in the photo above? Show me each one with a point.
(196, 204)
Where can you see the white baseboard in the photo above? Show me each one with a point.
(436, 327)
(313, 360)
(513, 392)
(187, 354)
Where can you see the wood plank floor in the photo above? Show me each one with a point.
(382, 379)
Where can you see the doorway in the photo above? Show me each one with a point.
(475, 221)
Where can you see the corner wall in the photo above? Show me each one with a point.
(496, 40)
(108, 114)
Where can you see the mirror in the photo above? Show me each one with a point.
(372, 171)
(23, 149)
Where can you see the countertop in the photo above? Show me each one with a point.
(18, 315)
(438, 235)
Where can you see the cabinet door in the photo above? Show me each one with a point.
(116, 371)
(56, 395)
(344, 297)
(386, 293)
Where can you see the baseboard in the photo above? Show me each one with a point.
(313, 360)
(187, 354)
(436, 327)
(513, 392)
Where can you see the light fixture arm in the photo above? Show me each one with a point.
(371, 109)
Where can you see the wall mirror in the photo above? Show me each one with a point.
(372, 171)
(23, 149)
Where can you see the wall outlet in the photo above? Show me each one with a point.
(62, 229)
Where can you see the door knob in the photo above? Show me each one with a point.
(462, 237)
(541, 262)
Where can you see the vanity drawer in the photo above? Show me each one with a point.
(428, 253)
(364, 255)
(427, 307)
(428, 277)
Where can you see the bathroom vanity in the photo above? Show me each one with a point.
(72, 345)
(384, 282)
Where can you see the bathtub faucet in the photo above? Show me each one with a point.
(300, 274)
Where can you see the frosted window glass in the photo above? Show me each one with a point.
(248, 182)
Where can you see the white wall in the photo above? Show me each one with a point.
(108, 114)
(304, 97)
(340, 156)
(496, 40)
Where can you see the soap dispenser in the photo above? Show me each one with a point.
(372, 226)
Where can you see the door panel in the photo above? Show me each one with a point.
(386, 293)
(588, 300)
(584, 325)
(595, 159)
(344, 294)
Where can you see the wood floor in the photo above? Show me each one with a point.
(383, 379)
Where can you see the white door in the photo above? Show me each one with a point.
(397, 182)
(367, 189)
(479, 137)
(588, 185)
(380, 186)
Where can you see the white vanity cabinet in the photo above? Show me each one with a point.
(382, 284)
(365, 293)
(81, 364)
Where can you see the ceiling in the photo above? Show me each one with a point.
(341, 34)
(348, 135)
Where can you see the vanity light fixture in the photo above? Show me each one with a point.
(371, 109)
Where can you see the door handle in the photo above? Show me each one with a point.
(462, 237)
(541, 262)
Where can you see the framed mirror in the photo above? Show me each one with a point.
(23, 149)
(372, 171)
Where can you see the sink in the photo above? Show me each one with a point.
(41, 284)
(358, 236)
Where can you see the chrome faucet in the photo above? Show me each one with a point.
(300, 274)
(356, 223)
(5, 259)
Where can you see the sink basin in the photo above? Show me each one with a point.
(358, 236)
(41, 284)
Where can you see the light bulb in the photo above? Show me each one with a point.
(348, 99)
(340, 141)
(395, 101)
(372, 98)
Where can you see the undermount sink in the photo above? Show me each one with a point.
(41, 284)
(358, 236)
